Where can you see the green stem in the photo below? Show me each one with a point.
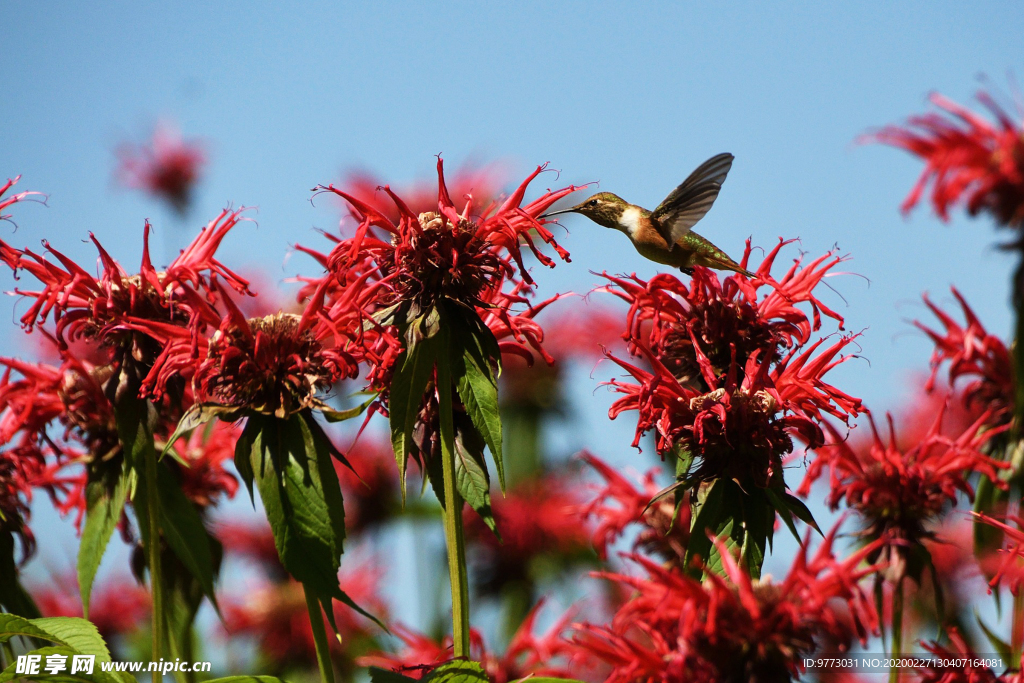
(316, 620)
(9, 654)
(153, 556)
(1017, 634)
(897, 631)
(453, 518)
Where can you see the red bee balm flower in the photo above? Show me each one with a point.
(975, 354)
(168, 167)
(1009, 567)
(733, 376)
(97, 308)
(967, 159)
(443, 256)
(898, 492)
(731, 628)
(526, 654)
(664, 532)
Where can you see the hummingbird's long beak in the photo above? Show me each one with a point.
(549, 214)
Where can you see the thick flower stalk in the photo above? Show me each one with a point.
(731, 627)
(450, 290)
(167, 167)
(735, 375)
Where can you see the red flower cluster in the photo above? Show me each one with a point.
(974, 354)
(443, 255)
(967, 159)
(1009, 568)
(167, 167)
(731, 628)
(664, 533)
(84, 306)
(897, 492)
(479, 184)
(526, 655)
(733, 376)
(958, 663)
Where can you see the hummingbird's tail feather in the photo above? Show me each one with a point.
(708, 255)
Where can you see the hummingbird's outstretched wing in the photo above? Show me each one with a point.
(689, 202)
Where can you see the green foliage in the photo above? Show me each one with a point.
(75, 633)
(290, 462)
(104, 505)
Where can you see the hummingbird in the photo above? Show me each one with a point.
(665, 235)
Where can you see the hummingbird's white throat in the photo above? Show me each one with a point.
(629, 221)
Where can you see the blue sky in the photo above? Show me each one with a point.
(631, 95)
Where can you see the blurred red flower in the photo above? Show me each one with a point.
(899, 492)
(119, 606)
(537, 518)
(730, 628)
(274, 614)
(526, 655)
(968, 159)
(1008, 563)
(167, 167)
(664, 533)
(975, 355)
(956, 662)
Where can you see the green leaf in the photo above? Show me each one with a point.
(97, 675)
(413, 372)
(302, 499)
(198, 414)
(756, 525)
(459, 671)
(707, 511)
(797, 507)
(248, 679)
(784, 512)
(244, 448)
(471, 344)
(73, 632)
(988, 499)
(471, 475)
(185, 533)
(332, 415)
(104, 506)
(385, 676)
(998, 644)
(13, 596)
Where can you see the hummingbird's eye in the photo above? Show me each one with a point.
(592, 202)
